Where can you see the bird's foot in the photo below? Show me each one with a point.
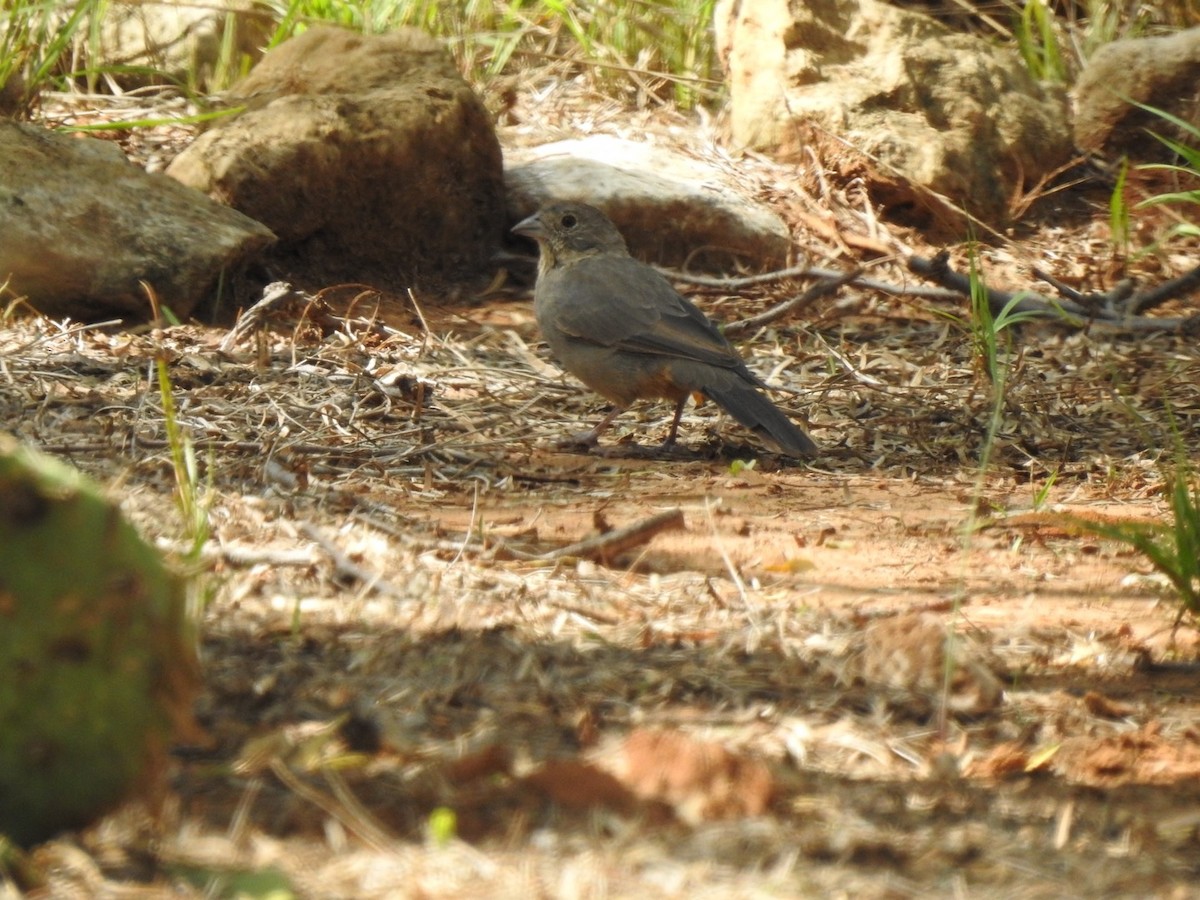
(584, 440)
(588, 442)
(626, 450)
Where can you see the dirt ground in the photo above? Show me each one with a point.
(892, 672)
(407, 693)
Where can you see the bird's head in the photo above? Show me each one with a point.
(566, 231)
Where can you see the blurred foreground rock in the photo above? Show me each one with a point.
(97, 658)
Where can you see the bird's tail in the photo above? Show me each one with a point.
(755, 411)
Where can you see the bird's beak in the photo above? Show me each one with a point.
(531, 227)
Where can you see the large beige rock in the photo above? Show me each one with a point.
(672, 209)
(369, 156)
(81, 228)
(946, 113)
(1163, 72)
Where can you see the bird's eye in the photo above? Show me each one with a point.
(569, 221)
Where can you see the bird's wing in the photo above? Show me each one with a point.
(619, 302)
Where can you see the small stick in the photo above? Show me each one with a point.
(607, 546)
(273, 294)
(347, 568)
(779, 310)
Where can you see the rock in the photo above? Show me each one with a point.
(15, 97)
(81, 227)
(925, 110)
(98, 663)
(1162, 72)
(369, 156)
(667, 205)
(142, 42)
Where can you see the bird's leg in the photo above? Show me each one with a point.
(670, 441)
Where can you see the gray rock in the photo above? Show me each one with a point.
(81, 227)
(369, 156)
(890, 93)
(1163, 72)
(672, 209)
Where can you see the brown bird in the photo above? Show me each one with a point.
(619, 327)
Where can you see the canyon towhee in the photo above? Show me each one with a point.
(619, 327)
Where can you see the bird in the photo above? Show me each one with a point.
(619, 326)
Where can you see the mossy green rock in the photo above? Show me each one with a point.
(97, 659)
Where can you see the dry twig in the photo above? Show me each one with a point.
(347, 568)
(1068, 311)
(606, 547)
(821, 289)
(767, 278)
(274, 294)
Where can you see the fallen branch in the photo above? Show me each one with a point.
(611, 544)
(778, 311)
(1168, 290)
(1069, 311)
(745, 281)
(1120, 293)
